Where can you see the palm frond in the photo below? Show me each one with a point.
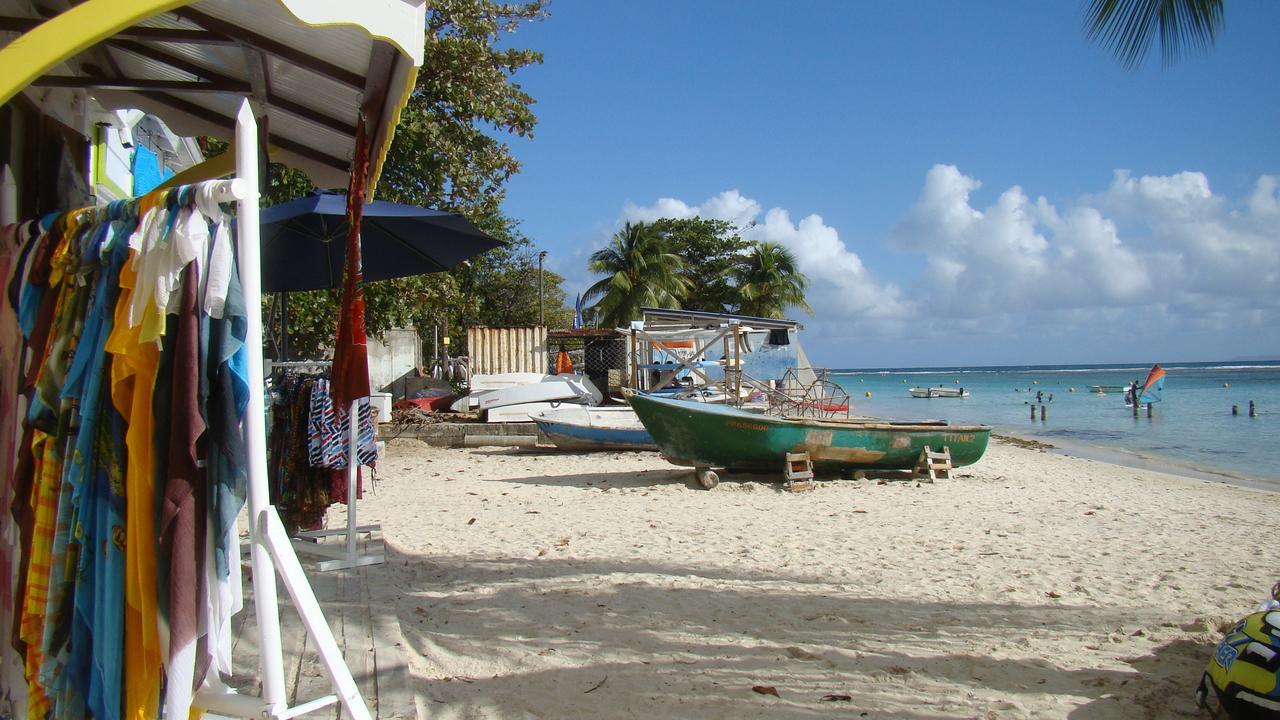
(1128, 27)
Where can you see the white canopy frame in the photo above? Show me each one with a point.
(270, 549)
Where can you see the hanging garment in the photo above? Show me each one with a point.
(328, 435)
(133, 369)
(182, 514)
(131, 469)
(351, 353)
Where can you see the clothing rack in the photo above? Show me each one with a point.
(307, 540)
(270, 549)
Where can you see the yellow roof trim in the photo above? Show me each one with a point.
(58, 38)
(393, 121)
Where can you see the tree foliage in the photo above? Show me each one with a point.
(640, 271)
(447, 154)
(769, 282)
(1129, 27)
(692, 264)
(710, 250)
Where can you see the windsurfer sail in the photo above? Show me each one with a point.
(1153, 388)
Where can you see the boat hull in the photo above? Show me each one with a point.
(577, 431)
(939, 392)
(698, 435)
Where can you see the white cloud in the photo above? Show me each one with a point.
(1153, 263)
(841, 287)
(1182, 246)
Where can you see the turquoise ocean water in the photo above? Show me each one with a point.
(1192, 429)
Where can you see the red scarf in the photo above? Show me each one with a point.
(350, 378)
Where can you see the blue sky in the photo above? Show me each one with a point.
(964, 183)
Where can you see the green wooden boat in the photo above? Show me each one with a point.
(706, 436)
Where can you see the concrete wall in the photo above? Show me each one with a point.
(397, 354)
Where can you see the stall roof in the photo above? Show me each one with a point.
(700, 318)
(310, 66)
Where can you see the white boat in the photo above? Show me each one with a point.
(939, 392)
(534, 389)
(594, 428)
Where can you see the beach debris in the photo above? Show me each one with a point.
(1053, 594)
(598, 685)
(801, 654)
(766, 690)
(837, 697)
(472, 521)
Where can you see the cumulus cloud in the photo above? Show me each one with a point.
(841, 286)
(1182, 247)
(1148, 259)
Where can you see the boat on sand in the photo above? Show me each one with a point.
(593, 428)
(705, 437)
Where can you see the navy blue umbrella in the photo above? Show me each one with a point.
(304, 242)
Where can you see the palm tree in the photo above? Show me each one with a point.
(1127, 27)
(640, 271)
(769, 282)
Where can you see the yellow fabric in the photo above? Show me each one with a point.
(133, 374)
(44, 501)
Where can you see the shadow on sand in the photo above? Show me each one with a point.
(679, 640)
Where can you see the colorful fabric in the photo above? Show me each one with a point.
(182, 511)
(328, 435)
(100, 512)
(351, 355)
(133, 370)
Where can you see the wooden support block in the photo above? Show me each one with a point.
(932, 465)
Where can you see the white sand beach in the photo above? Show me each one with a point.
(536, 584)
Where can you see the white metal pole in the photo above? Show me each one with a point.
(271, 655)
(353, 470)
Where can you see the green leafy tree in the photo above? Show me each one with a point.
(447, 154)
(770, 283)
(711, 250)
(509, 276)
(1129, 27)
(640, 271)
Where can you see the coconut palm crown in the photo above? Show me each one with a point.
(1128, 27)
(769, 282)
(640, 271)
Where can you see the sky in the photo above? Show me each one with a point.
(962, 183)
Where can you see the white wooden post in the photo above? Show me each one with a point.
(270, 652)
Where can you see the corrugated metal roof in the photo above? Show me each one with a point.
(193, 65)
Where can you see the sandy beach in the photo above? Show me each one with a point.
(533, 584)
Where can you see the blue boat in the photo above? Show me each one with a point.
(581, 427)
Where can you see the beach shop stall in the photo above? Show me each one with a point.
(134, 429)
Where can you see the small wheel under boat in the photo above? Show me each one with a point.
(707, 477)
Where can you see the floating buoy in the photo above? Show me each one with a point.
(868, 393)
(1226, 385)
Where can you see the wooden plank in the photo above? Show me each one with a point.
(357, 639)
(305, 676)
(246, 676)
(390, 660)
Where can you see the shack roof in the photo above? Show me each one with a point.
(311, 67)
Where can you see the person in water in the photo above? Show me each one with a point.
(1131, 394)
